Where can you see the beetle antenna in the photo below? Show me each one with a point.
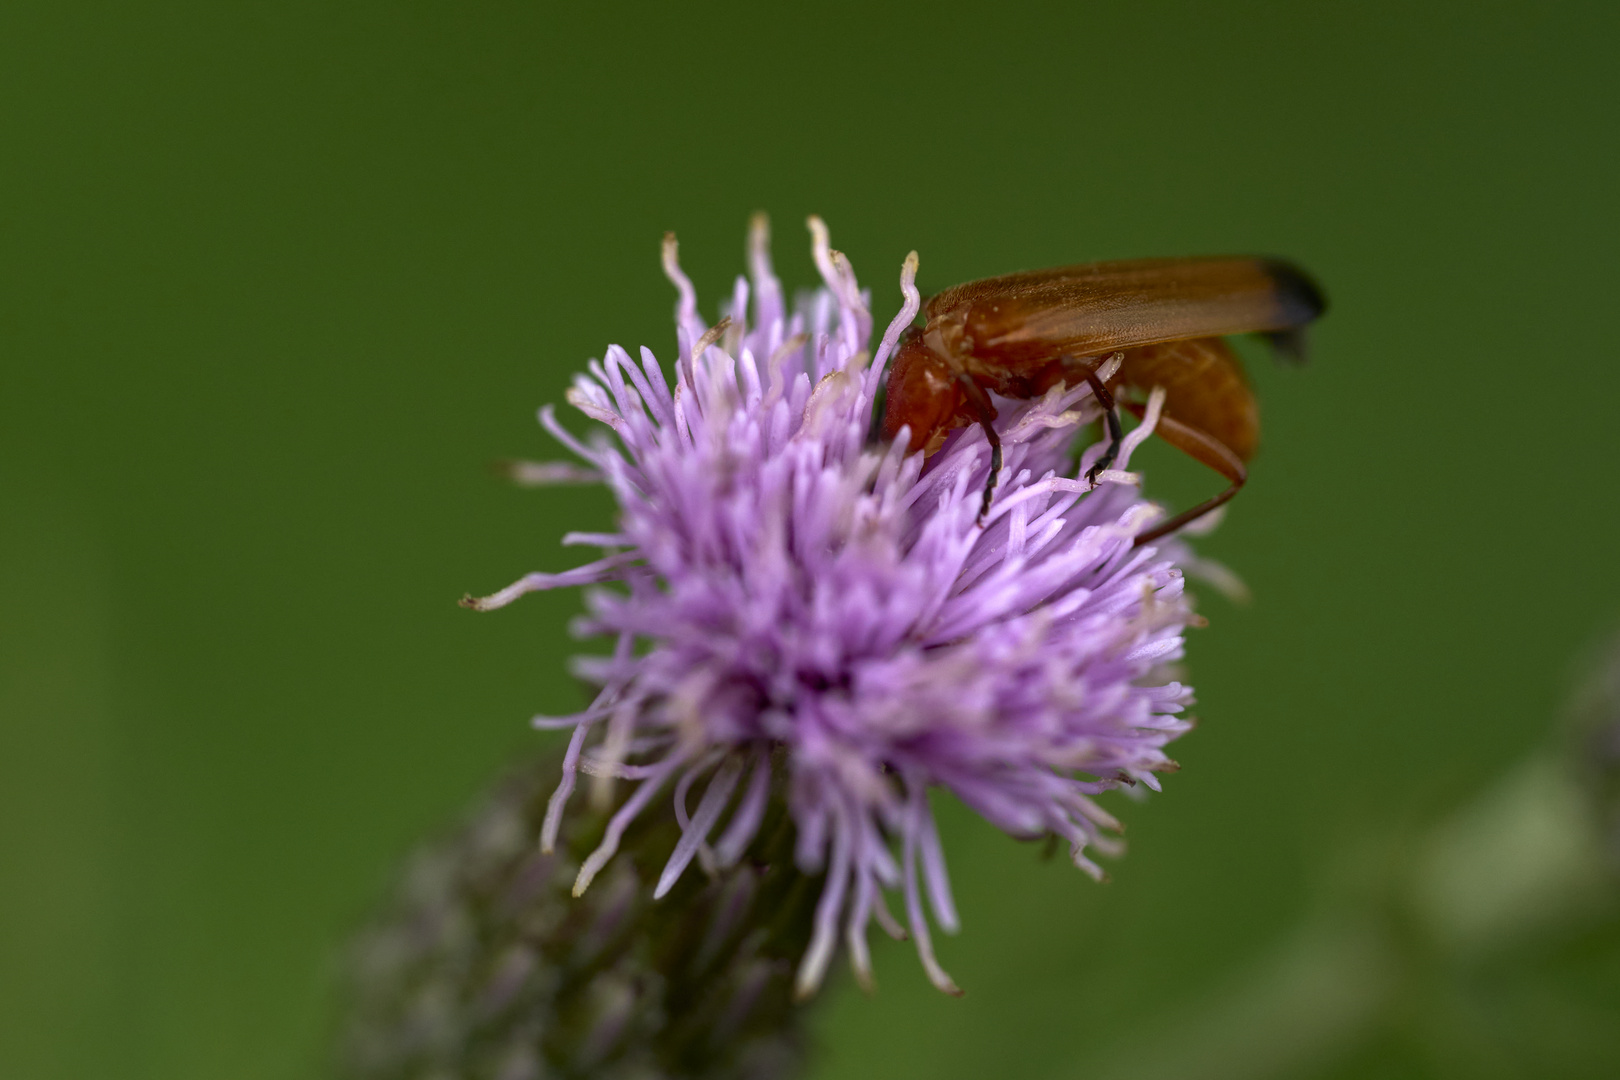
(985, 413)
(1116, 433)
(995, 471)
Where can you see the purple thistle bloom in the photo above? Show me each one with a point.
(794, 598)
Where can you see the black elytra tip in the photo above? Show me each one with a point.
(1302, 302)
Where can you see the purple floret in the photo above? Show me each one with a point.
(792, 596)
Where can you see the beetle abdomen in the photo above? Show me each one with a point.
(1204, 386)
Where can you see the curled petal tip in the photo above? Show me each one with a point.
(943, 982)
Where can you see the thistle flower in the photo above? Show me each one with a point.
(794, 600)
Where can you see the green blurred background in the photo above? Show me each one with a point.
(278, 281)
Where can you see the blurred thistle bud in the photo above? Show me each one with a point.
(487, 967)
(1595, 716)
(1538, 850)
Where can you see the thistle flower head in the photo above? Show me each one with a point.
(794, 600)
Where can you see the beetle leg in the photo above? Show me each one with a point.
(1111, 416)
(985, 414)
(1203, 447)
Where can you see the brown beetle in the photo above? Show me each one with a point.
(1022, 334)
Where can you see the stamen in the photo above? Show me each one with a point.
(565, 788)
(914, 912)
(614, 770)
(813, 968)
(759, 250)
(708, 812)
(745, 823)
(1139, 435)
(590, 539)
(834, 267)
(885, 918)
(548, 420)
(542, 722)
(688, 778)
(776, 385)
(593, 409)
(710, 336)
(615, 748)
(823, 405)
(686, 308)
(939, 884)
(738, 314)
(897, 326)
(1119, 476)
(546, 473)
(590, 574)
(1215, 574)
(621, 821)
(860, 956)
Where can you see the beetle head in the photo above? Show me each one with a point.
(923, 394)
